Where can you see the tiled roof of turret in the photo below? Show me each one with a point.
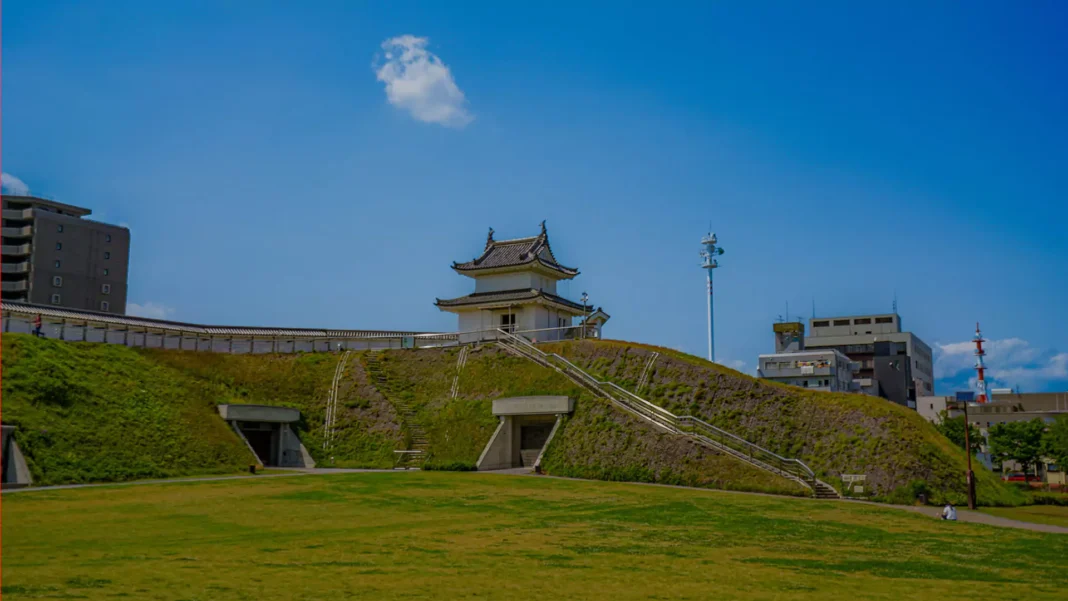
(507, 296)
(517, 252)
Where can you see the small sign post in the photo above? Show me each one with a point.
(854, 482)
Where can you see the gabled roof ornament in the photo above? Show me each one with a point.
(489, 238)
(543, 227)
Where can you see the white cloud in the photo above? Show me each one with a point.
(1052, 368)
(13, 185)
(1010, 362)
(150, 309)
(418, 82)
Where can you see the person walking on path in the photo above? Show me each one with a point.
(37, 326)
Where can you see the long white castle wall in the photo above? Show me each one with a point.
(145, 337)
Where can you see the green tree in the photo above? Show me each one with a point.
(1018, 441)
(1055, 441)
(953, 429)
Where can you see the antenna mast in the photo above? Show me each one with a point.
(979, 367)
(709, 254)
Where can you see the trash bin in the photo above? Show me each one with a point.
(922, 498)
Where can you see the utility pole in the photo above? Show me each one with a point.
(709, 255)
(968, 453)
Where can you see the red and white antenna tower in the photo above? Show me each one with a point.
(979, 367)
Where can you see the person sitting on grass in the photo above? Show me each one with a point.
(949, 512)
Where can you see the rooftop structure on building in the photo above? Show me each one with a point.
(52, 255)
(894, 364)
(516, 290)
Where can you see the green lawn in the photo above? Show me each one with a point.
(1055, 515)
(459, 535)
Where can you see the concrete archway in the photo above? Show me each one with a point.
(527, 426)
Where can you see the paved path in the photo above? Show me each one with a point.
(963, 515)
(977, 517)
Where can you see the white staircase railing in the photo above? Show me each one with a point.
(330, 419)
(644, 379)
(697, 429)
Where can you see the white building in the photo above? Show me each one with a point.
(516, 290)
(823, 369)
(827, 370)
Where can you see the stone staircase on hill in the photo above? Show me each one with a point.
(698, 431)
(823, 490)
(409, 419)
(529, 456)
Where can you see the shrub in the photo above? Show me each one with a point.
(1049, 498)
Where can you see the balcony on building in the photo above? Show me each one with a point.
(15, 251)
(25, 231)
(22, 267)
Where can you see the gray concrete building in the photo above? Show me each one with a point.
(52, 255)
(894, 364)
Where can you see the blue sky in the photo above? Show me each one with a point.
(843, 154)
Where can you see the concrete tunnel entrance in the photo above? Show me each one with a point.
(527, 425)
(267, 433)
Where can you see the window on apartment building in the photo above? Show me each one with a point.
(59, 228)
(107, 255)
(58, 263)
(820, 324)
(104, 305)
(106, 271)
(57, 281)
(884, 320)
(105, 289)
(55, 299)
(841, 322)
(866, 320)
(59, 246)
(107, 238)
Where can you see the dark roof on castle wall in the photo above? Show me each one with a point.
(514, 253)
(76, 315)
(505, 296)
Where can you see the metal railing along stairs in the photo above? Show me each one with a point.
(330, 419)
(696, 429)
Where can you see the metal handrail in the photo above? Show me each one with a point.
(686, 424)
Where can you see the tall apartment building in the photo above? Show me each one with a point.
(893, 364)
(51, 255)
